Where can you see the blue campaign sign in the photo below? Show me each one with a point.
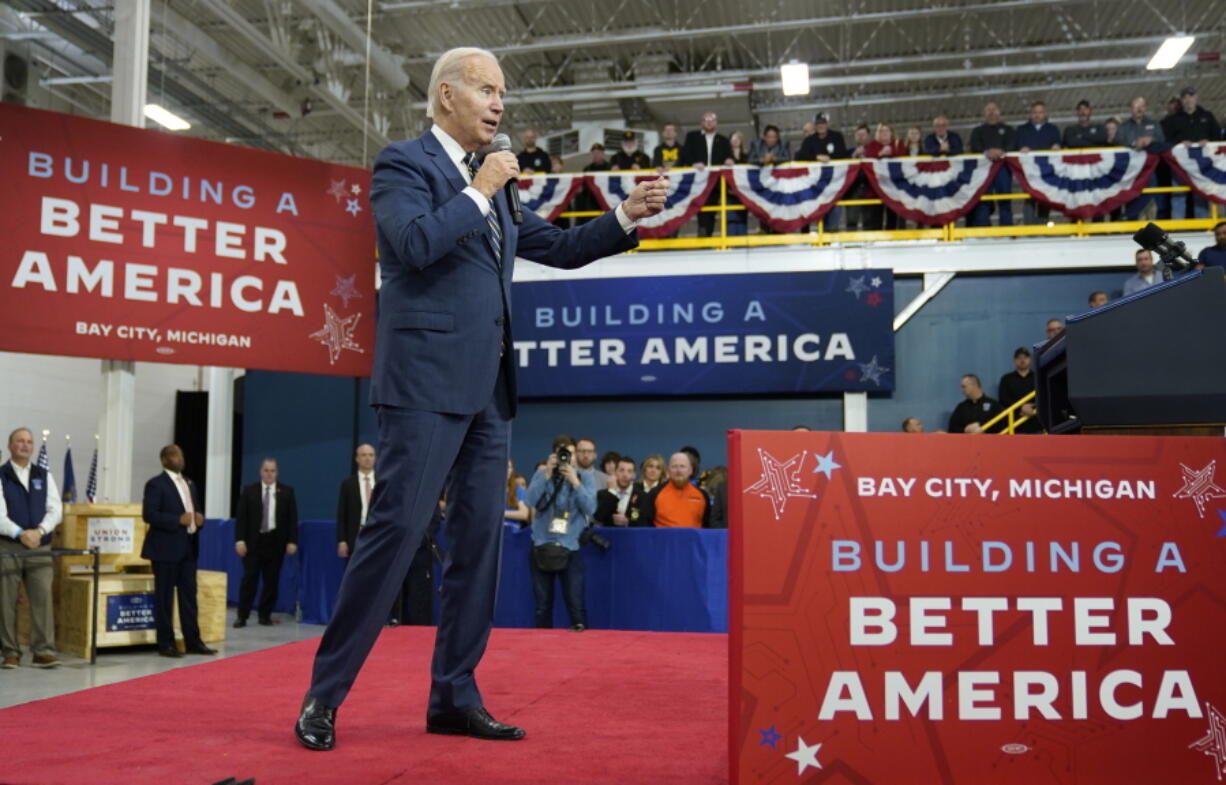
(129, 612)
(706, 334)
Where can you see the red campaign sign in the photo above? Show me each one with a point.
(961, 610)
(128, 244)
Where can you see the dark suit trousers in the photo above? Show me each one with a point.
(262, 562)
(415, 602)
(419, 451)
(169, 577)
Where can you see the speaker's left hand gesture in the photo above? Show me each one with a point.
(646, 199)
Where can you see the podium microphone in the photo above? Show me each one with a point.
(1172, 252)
(501, 143)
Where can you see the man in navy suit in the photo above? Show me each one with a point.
(444, 387)
(171, 507)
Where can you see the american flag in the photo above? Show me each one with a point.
(44, 462)
(91, 485)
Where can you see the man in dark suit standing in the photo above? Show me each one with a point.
(267, 529)
(702, 148)
(444, 386)
(171, 508)
(353, 502)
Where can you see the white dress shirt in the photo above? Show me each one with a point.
(271, 490)
(710, 147)
(456, 153)
(623, 497)
(52, 516)
(185, 495)
(362, 493)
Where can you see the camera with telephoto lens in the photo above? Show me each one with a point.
(564, 455)
(589, 535)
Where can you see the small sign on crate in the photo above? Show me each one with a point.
(112, 535)
(129, 612)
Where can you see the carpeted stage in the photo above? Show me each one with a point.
(633, 708)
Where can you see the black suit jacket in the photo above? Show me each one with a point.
(167, 539)
(606, 505)
(251, 512)
(349, 511)
(694, 151)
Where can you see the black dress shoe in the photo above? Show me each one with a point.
(267, 622)
(240, 623)
(169, 653)
(316, 726)
(201, 649)
(476, 723)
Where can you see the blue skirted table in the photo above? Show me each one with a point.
(668, 580)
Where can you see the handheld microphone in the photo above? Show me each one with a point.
(1172, 252)
(502, 143)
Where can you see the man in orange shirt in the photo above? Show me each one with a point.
(677, 502)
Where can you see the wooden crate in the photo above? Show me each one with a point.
(74, 605)
(75, 530)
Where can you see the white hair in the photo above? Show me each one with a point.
(448, 68)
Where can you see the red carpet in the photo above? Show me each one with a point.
(599, 707)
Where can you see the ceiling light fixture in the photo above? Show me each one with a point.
(166, 118)
(795, 78)
(1169, 54)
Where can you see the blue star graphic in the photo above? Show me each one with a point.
(857, 286)
(770, 737)
(826, 464)
(352, 207)
(1222, 531)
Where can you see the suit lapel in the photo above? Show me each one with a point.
(434, 148)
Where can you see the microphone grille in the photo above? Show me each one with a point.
(501, 142)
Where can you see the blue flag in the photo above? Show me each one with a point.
(69, 491)
(44, 462)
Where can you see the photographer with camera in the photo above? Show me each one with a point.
(563, 497)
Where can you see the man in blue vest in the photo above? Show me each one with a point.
(29, 511)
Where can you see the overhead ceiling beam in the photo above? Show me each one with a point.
(671, 90)
(388, 66)
(787, 26)
(209, 49)
(264, 44)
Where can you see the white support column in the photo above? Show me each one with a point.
(117, 420)
(219, 442)
(855, 412)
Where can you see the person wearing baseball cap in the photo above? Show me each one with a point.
(1193, 125)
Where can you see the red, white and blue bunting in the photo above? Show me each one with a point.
(687, 192)
(787, 198)
(1203, 167)
(931, 191)
(1084, 184)
(548, 195)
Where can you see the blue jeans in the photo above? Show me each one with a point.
(737, 228)
(1001, 184)
(1133, 209)
(1179, 206)
(572, 591)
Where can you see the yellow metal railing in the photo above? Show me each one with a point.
(946, 233)
(1008, 416)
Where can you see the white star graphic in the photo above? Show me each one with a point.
(337, 334)
(872, 371)
(780, 480)
(337, 190)
(355, 189)
(1213, 743)
(876, 282)
(1199, 486)
(857, 286)
(353, 208)
(805, 756)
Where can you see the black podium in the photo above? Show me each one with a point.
(1154, 358)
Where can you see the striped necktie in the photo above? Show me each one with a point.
(491, 217)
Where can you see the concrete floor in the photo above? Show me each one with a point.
(27, 683)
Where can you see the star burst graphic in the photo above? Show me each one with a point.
(780, 481)
(872, 371)
(346, 290)
(1198, 485)
(857, 286)
(337, 334)
(352, 207)
(1213, 743)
